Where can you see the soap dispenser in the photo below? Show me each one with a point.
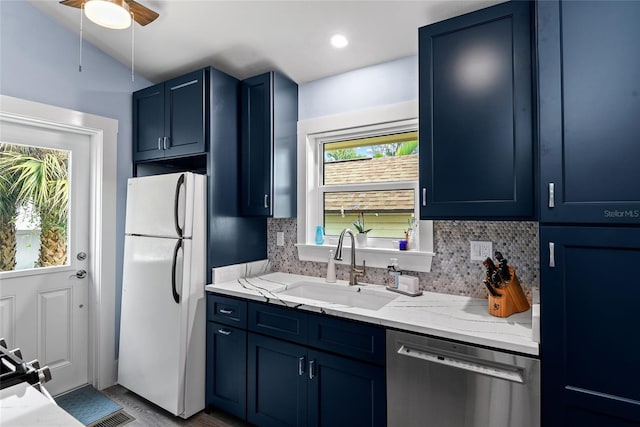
(331, 268)
(393, 273)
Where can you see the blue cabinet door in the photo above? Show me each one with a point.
(185, 114)
(476, 141)
(589, 328)
(148, 123)
(589, 96)
(268, 146)
(227, 368)
(256, 127)
(345, 392)
(277, 382)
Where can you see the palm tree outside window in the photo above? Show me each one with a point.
(34, 181)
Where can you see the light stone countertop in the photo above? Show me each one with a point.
(453, 317)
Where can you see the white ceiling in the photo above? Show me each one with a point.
(246, 38)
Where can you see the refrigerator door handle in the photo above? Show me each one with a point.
(176, 205)
(176, 296)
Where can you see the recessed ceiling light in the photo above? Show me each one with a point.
(339, 41)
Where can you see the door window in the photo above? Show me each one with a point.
(34, 206)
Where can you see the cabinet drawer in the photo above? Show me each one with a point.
(228, 311)
(278, 322)
(363, 342)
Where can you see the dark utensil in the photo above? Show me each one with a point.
(504, 268)
(493, 274)
(492, 291)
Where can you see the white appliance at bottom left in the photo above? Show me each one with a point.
(162, 326)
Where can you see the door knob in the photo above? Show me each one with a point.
(81, 274)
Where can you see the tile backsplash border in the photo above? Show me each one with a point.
(452, 271)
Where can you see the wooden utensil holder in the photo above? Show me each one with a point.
(511, 299)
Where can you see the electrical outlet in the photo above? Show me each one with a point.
(481, 250)
(280, 238)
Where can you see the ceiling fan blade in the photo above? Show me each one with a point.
(141, 14)
(72, 3)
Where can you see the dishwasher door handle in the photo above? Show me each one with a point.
(514, 375)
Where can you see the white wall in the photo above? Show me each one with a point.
(39, 62)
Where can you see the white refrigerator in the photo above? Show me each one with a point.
(162, 323)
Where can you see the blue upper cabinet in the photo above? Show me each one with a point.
(169, 118)
(268, 141)
(476, 143)
(589, 83)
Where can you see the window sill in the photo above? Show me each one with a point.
(413, 260)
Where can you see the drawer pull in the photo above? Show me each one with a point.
(224, 332)
(552, 254)
(301, 366)
(225, 311)
(312, 366)
(552, 195)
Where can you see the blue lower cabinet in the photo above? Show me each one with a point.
(291, 368)
(345, 392)
(277, 386)
(589, 332)
(227, 368)
(292, 385)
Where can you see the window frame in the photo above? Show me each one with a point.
(312, 134)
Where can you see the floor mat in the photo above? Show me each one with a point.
(87, 404)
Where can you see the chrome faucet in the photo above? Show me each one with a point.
(354, 272)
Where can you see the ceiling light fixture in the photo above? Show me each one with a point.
(339, 41)
(112, 14)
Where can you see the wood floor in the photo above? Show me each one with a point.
(146, 414)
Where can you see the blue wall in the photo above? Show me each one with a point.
(374, 86)
(39, 62)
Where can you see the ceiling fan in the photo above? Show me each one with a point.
(141, 14)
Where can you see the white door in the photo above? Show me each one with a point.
(44, 311)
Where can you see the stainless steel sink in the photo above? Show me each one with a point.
(352, 296)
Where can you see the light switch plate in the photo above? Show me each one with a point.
(280, 238)
(481, 250)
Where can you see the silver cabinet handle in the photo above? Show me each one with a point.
(424, 196)
(165, 142)
(266, 201)
(552, 254)
(312, 365)
(301, 366)
(224, 332)
(552, 195)
(159, 143)
(225, 311)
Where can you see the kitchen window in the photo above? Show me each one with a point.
(363, 166)
(371, 182)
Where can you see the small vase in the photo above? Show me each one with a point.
(361, 240)
(319, 235)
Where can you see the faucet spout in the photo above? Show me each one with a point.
(353, 271)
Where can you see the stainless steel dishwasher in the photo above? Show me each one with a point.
(437, 383)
